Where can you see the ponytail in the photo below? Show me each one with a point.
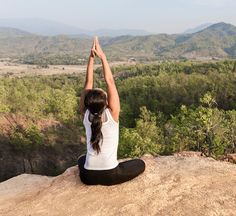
(95, 102)
(96, 135)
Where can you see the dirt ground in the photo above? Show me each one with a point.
(8, 69)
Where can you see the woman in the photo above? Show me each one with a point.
(100, 112)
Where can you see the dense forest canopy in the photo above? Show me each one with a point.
(165, 108)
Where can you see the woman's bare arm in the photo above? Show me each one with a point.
(89, 79)
(113, 96)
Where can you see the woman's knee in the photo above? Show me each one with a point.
(133, 167)
(141, 164)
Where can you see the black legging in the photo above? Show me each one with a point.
(124, 171)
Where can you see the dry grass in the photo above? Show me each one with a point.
(8, 69)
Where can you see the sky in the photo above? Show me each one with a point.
(156, 16)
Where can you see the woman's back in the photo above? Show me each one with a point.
(100, 164)
(107, 157)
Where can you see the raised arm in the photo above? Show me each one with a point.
(112, 93)
(89, 79)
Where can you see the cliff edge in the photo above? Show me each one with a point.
(170, 185)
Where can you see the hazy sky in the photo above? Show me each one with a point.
(157, 16)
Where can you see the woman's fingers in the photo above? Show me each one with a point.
(93, 44)
(97, 43)
(97, 49)
(95, 52)
(93, 48)
(96, 39)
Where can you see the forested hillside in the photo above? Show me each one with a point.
(216, 41)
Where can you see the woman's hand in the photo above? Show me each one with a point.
(98, 50)
(92, 53)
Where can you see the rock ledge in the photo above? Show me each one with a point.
(170, 185)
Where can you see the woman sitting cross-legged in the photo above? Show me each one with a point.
(100, 111)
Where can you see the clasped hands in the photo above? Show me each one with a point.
(97, 50)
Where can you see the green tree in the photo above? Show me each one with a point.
(26, 138)
(234, 68)
(4, 108)
(183, 132)
(230, 124)
(146, 137)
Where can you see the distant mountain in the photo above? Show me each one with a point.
(51, 28)
(218, 40)
(215, 41)
(197, 28)
(222, 27)
(41, 26)
(12, 32)
(119, 32)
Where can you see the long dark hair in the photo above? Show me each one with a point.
(95, 101)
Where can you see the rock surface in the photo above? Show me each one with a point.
(170, 185)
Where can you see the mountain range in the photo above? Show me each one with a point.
(46, 27)
(216, 41)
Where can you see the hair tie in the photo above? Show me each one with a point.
(96, 114)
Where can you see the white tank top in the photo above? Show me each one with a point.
(107, 157)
